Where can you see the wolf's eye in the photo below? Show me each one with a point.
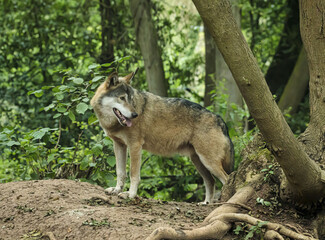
(122, 98)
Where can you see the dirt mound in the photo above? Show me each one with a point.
(66, 209)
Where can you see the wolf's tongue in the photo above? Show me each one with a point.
(128, 122)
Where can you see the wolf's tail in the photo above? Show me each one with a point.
(231, 161)
(229, 164)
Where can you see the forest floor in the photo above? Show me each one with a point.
(67, 209)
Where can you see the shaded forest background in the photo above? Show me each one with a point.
(55, 53)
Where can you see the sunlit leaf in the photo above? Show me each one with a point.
(81, 108)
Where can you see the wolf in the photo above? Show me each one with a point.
(137, 120)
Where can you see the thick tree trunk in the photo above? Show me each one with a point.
(305, 178)
(223, 69)
(147, 39)
(312, 27)
(107, 20)
(296, 87)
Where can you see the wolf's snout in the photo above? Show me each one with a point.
(134, 115)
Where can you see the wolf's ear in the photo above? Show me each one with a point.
(128, 78)
(112, 80)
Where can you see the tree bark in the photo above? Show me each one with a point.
(216, 68)
(147, 39)
(312, 28)
(295, 89)
(107, 20)
(304, 176)
(223, 69)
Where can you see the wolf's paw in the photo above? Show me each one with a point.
(203, 203)
(126, 195)
(112, 191)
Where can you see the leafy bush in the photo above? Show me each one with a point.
(66, 150)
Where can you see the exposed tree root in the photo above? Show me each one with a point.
(220, 221)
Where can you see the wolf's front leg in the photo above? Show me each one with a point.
(120, 151)
(135, 155)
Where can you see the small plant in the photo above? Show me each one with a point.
(25, 209)
(250, 232)
(268, 172)
(256, 230)
(95, 223)
(263, 202)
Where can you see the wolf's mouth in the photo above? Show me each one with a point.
(124, 121)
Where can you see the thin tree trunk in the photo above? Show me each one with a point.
(147, 39)
(305, 178)
(210, 67)
(295, 89)
(287, 50)
(107, 22)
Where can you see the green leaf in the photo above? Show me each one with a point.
(61, 109)
(249, 235)
(63, 88)
(11, 143)
(37, 93)
(78, 81)
(97, 149)
(84, 164)
(93, 66)
(92, 119)
(107, 64)
(57, 115)
(82, 108)
(40, 133)
(107, 141)
(123, 59)
(97, 78)
(52, 105)
(3, 137)
(59, 96)
(92, 164)
(111, 160)
(72, 116)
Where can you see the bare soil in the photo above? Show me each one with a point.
(67, 209)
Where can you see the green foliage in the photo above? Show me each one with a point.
(170, 179)
(38, 38)
(236, 118)
(253, 232)
(298, 121)
(268, 172)
(65, 151)
(179, 33)
(262, 23)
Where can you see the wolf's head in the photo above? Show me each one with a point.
(114, 98)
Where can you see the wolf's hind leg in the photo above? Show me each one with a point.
(120, 151)
(213, 162)
(208, 179)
